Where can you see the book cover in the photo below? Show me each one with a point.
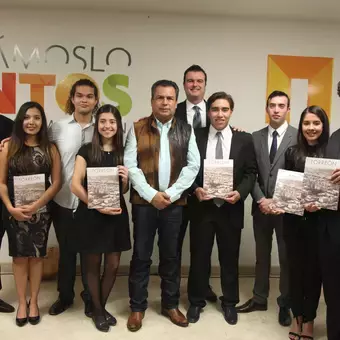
(103, 188)
(317, 185)
(288, 192)
(218, 177)
(28, 189)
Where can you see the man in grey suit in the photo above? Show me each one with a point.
(270, 146)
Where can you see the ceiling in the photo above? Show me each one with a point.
(320, 10)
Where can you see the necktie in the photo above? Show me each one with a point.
(219, 155)
(273, 148)
(197, 123)
(219, 150)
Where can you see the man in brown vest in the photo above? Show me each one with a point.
(163, 161)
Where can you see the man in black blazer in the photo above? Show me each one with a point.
(223, 218)
(330, 250)
(193, 110)
(6, 126)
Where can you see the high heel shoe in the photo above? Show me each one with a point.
(33, 320)
(293, 335)
(20, 322)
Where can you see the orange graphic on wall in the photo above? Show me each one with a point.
(318, 71)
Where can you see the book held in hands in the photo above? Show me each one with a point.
(288, 192)
(317, 185)
(218, 177)
(28, 189)
(103, 188)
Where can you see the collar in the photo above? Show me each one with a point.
(201, 105)
(71, 119)
(225, 132)
(280, 131)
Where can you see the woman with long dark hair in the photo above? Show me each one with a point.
(104, 231)
(301, 232)
(28, 152)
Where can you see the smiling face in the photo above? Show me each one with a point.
(194, 86)
(32, 122)
(107, 125)
(312, 128)
(220, 113)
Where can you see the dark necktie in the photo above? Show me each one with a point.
(197, 123)
(273, 148)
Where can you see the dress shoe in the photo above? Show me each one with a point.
(101, 323)
(230, 314)
(251, 306)
(193, 313)
(175, 316)
(211, 296)
(33, 320)
(5, 307)
(59, 307)
(285, 318)
(111, 320)
(20, 322)
(134, 323)
(87, 304)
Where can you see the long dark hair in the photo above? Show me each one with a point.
(18, 153)
(302, 143)
(117, 139)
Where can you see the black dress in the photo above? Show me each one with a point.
(28, 238)
(95, 232)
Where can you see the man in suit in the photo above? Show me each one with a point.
(271, 144)
(193, 111)
(220, 217)
(6, 127)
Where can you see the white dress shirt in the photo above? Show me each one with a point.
(191, 112)
(69, 136)
(280, 133)
(212, 141)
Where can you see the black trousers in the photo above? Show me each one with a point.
(202, 236)
(301, 236)
(330, 266)
(2, 232)
(63, 222)
(147, 220)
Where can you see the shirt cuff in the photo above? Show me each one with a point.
(172, 194)
(150, 194)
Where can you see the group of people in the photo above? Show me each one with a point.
(162, 163)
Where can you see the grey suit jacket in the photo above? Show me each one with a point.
(266, 178)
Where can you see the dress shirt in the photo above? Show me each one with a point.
(69, 136)
(186, 176)
(191, 112)
(280, 133)
(227, 135)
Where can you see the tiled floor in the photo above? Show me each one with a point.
(74, 325)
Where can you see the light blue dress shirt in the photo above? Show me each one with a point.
(186, 177)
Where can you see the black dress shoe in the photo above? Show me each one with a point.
(251, 306)
(20, 322)
(111, 320)
(59, 307)
(33, 320)
(5, 307)
(101, 323)
(193, 313)
(285, 318)
(87, 304)
(230, 315)
(211, 296)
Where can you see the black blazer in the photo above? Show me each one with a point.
(181, 112)
(6, 127)
(245, 171)
(331, 219)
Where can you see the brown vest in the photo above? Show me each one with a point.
(148, 147)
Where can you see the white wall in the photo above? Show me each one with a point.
(232, 51)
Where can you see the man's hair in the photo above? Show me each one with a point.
(81, 82)
(278, 94)
(220, 95)
(164, 83)
(195, 68)
(338, 90)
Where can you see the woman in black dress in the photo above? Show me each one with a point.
(301, 232)
(27, 225)
(105, 230)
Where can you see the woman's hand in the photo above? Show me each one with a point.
(20, 214)
(110, 211)
(123, 172)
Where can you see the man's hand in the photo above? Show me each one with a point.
(265, 205)
(161, 200)
(202, 195)
(335, 178)
(235, 128)
(311, 207)
(233, 197)
(3, 142)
